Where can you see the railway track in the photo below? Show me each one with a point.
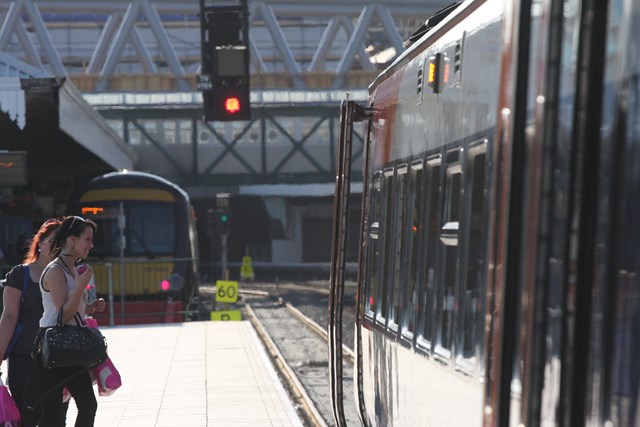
(298, 345)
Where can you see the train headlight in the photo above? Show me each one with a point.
(174, 282)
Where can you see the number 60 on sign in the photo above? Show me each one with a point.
(226, 291)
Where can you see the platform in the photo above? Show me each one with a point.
(190, 375)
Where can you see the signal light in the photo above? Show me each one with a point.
(223, 214)
(232, 105)
(218, 221)
(225, 80)
(223, 221)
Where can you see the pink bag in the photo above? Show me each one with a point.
(105, 375)
(9, 414)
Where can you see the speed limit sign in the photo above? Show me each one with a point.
(226, 291)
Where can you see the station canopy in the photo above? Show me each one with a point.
(66, 140)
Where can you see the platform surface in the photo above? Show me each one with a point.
(190, 375)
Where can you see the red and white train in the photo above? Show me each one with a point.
(498, 275)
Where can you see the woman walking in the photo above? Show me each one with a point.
(63, 287)
(25, 276)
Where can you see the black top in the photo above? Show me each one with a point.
(31, 310)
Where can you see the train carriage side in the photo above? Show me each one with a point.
(505, 186)
(424, 273)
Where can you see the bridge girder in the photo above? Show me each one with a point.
(291, 138)
(149, 45)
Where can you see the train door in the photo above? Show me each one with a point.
(374, 250)
(415, 214)
(350, 112)
(397, 247)
(433, 189)
(472, 279)
(387, 235)
(448, 256)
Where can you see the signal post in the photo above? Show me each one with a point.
(225, 79)
(223, 227)
(226, 290)
(226, 85)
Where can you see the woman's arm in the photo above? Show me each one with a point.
(9, 317)
(55, 282)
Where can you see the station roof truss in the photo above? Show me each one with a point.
(291, 137)
(300, 44)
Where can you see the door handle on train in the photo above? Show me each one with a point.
(449, 233)
(374, 229)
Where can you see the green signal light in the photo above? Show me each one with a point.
(224, 218)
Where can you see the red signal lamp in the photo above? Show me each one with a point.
(232, 105)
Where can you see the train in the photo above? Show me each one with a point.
(145, 247)
(499, 246)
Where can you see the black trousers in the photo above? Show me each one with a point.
(24, 390)
(80, 387)
(21, 385)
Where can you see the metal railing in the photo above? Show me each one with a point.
(146, 291)
(143, 291)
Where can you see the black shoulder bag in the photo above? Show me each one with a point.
(68, 345)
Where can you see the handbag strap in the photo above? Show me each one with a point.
(79, 320)
(25, 282)
(77, 317)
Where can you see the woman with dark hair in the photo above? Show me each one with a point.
(25, 276)
(63, 287)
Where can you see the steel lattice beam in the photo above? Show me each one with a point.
(98, 42)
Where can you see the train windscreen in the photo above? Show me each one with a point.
(149, 232)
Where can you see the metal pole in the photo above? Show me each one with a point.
(110, 279)
(224, 257)
(222, 211)
(123, 245)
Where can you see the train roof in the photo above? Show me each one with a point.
(432, 28)
(126, 178)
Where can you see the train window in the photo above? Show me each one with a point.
(473, 287)
(448, 278)
(374, 258)
(105, 239)
(148, 234)
(431, 221)
(387, 234)
(414, 210)
(399, 233)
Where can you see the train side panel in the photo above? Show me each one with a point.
(423, 322)
(498, 279)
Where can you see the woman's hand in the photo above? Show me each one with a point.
(99, 305)
(83, 274)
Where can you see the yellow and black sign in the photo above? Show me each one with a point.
(226, 315)
(226, 291)
(246, 270)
